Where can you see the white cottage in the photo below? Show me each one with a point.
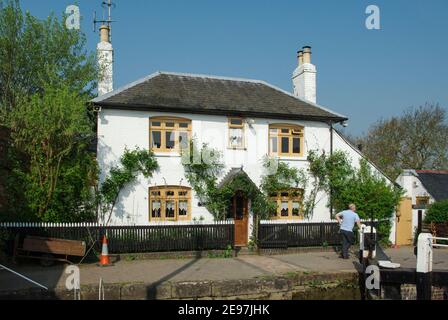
(244, 119)
(422, 188)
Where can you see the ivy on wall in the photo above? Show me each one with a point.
(369, 191)
(278, 176)
(202, 170)
(132, 163)
(204, 167)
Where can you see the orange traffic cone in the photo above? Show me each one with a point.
(104, 258)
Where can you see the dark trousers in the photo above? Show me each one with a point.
(347, 238)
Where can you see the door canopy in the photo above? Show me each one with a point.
(237, 180)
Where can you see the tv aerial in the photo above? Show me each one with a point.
(107, 7)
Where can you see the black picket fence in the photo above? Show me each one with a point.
(275, 235)
(137, 239)
(287, 235)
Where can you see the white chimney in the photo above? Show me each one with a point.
(304, 77)
(105, 56)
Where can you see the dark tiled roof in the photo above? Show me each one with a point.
(435, 182)
(172, 92)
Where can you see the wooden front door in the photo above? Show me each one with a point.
(241, 216)
(404, 231)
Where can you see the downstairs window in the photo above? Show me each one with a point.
(169, 203)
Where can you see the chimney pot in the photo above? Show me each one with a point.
(306, 54)
(300, 57)
(104, 33)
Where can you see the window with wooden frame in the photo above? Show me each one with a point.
(169, 203)
(236, 133)
(169, 134)
(286, 140)
(289, 204)
(422, 202)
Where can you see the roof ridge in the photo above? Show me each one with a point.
(210, 76)
(432, 171)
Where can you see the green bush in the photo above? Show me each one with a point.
(437, 212)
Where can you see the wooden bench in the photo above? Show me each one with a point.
(48, 250)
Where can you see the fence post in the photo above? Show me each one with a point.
(424, 266)
(322, 233)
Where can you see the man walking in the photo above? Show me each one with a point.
(347, 220)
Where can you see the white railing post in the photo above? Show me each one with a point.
(424, 253)
(424, 266)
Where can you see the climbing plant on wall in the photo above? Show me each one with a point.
(278, 176)
(132, 163)
(202, 168)
(327, 173)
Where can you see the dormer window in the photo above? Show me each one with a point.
(236, 133)
(286, 140)
(169, 134)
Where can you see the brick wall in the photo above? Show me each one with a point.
(409, 292)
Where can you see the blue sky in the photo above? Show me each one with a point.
(364, 74)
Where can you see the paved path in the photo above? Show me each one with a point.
(242, 267)
(405, 256)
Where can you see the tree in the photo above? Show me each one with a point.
(53, 132)
(415, 140)
(35, 53)
(373, 195)
(437, 212)
(46, 79)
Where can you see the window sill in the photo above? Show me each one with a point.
(288, 158)
(237, 149)
(167, 154)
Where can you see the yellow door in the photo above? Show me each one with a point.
(404, 233)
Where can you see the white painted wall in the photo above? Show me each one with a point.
(410, 182)
(118, 129)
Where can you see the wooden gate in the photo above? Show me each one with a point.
(404, 232)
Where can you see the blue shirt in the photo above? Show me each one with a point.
(349, 218)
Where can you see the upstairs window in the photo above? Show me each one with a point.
(169, 134)
(422, 202)
(289, 204)
(286, 140)
(169, 203)
(236, 133)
